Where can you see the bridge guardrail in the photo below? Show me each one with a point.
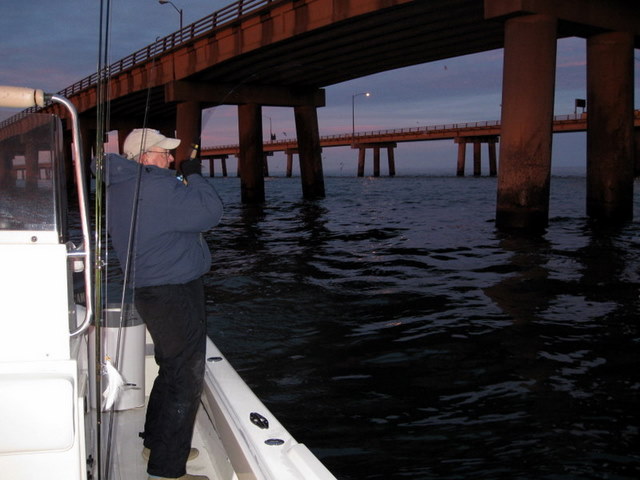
(218, 19)
(208, 24)
(413, 130)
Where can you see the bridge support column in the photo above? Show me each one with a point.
(250, 158)
(223, 162)
(188, 128)
(392, 161)
(265, 163)
(527, 116)
(610, 136)
(309, 152)
(89, 138)
(376, 161)
(31, 173)
(477, 158)
(6, 167)
(493, 161)
(462, 151)
(491, 141)
(67, 148)
(122, 135)
(362, 151)
(223, 165)
(290, 152)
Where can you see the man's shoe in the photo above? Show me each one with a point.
(193, 453)
(183, 477)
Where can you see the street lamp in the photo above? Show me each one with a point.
(179, 10)
(353, 112)
(271, 135)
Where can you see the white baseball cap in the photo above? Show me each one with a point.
(142, 139)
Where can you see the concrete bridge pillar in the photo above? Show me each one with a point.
(376, 161)
(250, 160)
(290, 153)
(610, 135)
(265, 163)
(477, 154)
(89, 144)
(188, 128)
(493, 161)
(223, 165)
(6, 166)
(362, 149)
(462, 151)
(67, 149)
(391, 161)
(477, 158)
(31, 173)
(122, 135)
(309, 151)
(527, 116)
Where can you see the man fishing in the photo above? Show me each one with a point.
(155, 221)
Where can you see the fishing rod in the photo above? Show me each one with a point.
(101, 104)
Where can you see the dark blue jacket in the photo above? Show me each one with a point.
(168, 244)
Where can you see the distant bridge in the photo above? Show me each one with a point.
(463, 133)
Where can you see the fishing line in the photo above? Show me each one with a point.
(207, 115)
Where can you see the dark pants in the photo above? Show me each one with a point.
(175, 317)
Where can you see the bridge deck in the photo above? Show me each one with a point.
(561, 123)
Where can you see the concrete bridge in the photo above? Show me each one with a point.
(283, 52)
(474, 133)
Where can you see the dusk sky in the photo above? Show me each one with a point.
(51, 45)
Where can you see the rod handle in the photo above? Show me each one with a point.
(21, 97)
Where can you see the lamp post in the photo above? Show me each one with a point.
(353, 113)
(179, 10)
(271, 136)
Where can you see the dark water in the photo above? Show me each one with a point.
(398, 335)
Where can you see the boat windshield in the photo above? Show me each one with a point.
(32, 199)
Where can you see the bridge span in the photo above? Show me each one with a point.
(475, 133)
(256, 53)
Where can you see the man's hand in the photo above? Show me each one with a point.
(192, 166)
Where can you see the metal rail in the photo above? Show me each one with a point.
(412, 131)
(207, 25)
(84, 250)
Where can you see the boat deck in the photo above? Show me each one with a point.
(127, 462)
(237, 436)
(126, 458)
